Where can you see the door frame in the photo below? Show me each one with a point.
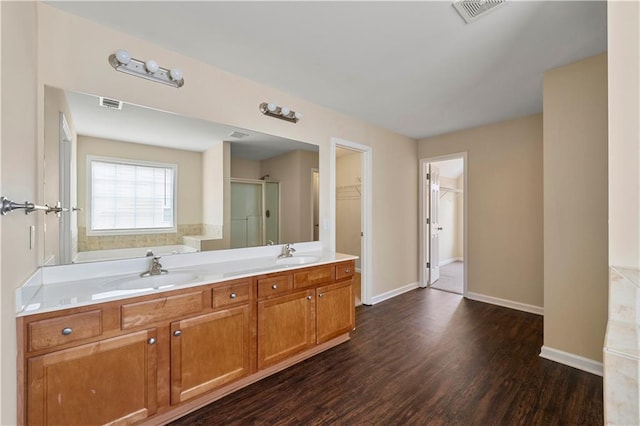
(366, 211)
(423, 214)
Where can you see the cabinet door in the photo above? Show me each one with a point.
(286, 326)
(208, 351)
(335, 310)
(110, 381)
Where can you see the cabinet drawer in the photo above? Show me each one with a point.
(312, 277)
(274, 285)
(65, 329)
(162, 309)
(345, 270)
(231, 294)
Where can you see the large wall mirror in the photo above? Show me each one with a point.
(135, 179)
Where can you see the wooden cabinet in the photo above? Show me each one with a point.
(286, 326)
(109, 381)
(153, 358)
(297, 320)
(334, 310)
(209, 351)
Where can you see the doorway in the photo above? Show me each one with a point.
(252, 224)
(350, 209)
(443, 223)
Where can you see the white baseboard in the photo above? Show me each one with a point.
(506, 303)
(393, 293)
(450, 260)
(572, 360)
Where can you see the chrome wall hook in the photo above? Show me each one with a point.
(29, 207)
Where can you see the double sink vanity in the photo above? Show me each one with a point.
(123, 349)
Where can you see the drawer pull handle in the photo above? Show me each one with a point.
(233, 296)
(151, 341)
(346, 271)
(321, 295)
(67, 331)
(275, 286)
(177, 333)
(309, 297)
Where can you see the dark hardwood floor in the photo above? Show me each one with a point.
(423, 358)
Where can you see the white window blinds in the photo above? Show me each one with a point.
(127, 195)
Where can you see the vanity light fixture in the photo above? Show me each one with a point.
(122, 61)
(283, 113)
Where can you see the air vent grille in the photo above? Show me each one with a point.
(238, 135)
(470, 10)
(110, 103)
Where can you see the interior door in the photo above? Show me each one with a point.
(434, 225)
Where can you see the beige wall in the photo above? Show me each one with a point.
(293, 171)
(19, 178)
(348, 204)
(504, 215)
(62, 38)
(245, 169)
(624, 133)
(189, 163)
(211, 189)
(575, 207)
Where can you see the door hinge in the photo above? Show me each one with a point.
(428, 176)
(427, 221)
(428, 265)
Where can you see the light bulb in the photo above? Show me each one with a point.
(271, 107)
(152, 66)
(176, 74)
(285, 111)
(123, 56)
(297, 115)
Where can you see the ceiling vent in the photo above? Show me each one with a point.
(110, 103)
(238, 135)
(470, 10)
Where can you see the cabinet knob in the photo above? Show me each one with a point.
(347, 271)
(67, 331)
(233, 296)
(321, 295)
(275, 286)
(151, 341)
(309, 297)
(177, 333)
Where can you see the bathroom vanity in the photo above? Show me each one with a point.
(113, 352)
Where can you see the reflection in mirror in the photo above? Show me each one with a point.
(138, 180)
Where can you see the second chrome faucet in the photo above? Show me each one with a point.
(155, 268)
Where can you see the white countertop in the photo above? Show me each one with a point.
(55, 288)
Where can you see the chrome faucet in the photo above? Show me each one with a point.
(287, 251)
(155, 268)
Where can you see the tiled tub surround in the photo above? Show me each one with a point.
(66, 286)
(622, 349)
(108, 242)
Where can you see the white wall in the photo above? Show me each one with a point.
(624, 133)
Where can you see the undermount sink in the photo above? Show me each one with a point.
(154, 281)
(296, 260)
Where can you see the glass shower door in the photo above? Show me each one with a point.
(246, 214)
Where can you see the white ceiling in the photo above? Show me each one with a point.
(412, 67)
(138, 124)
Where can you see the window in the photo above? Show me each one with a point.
(130, 196)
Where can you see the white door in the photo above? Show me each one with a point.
(434, 226)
